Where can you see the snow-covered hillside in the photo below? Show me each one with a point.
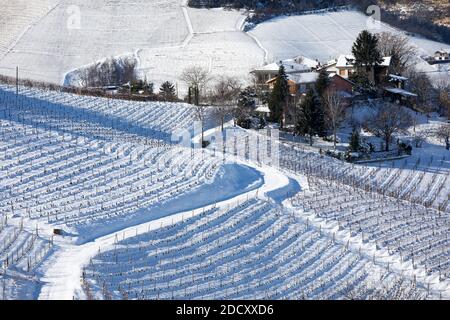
(126, 199)
(287, 37)
(17, 17)
(80, 32)
(165, 37)
(52, 39)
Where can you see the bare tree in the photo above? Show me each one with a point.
(398, 47)
(225, 96)
(386, 121)
(420, 137)
(334, 111)
(196, 77)
(443, 134)
(422, 86)
(108, 72)
(442, 81)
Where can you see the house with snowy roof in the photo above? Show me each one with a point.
(442, 55)
(345, 66)
(298, 83)
(293, 66)
(396, 92)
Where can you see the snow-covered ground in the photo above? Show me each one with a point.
(81, 32)
(145, 218)
(106, 173)
(17, 17)
(166, 36)
(323, 36)
(49, 39)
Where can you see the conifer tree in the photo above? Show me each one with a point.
(322, 83)
(190, 95)
(279, 96)
(366, 52)
(355, 141)
(310, 117)
(167, 91)
(196, 96)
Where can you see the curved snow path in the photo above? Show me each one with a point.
(62, 278)
(259, 44)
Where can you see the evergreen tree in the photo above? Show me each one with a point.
(246, 104)
(247, 98)
(362, 84)
(367, 57)
(167, 91)
(355, 141)
(366, 52)
(148, 86)
(190, 95)
(310, 117)
(279, 96)
(137, 85)
(196, 96)
(322, 83)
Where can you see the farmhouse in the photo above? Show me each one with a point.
(292, 66)
(298, 83)
(343, 86)
(442, 55)
(397, 93)
(345, 67)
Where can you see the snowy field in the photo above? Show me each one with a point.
(48, 39)
(166, 36)
(17, 17)
(322, 36)
(81, 32)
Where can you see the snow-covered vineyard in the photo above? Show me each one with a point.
(424, 182)
(251, 250)
(139, 217)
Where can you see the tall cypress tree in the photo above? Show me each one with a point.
(190, 95)
(310, 117)
(355, 141)
(278, 97)
(322, 82)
